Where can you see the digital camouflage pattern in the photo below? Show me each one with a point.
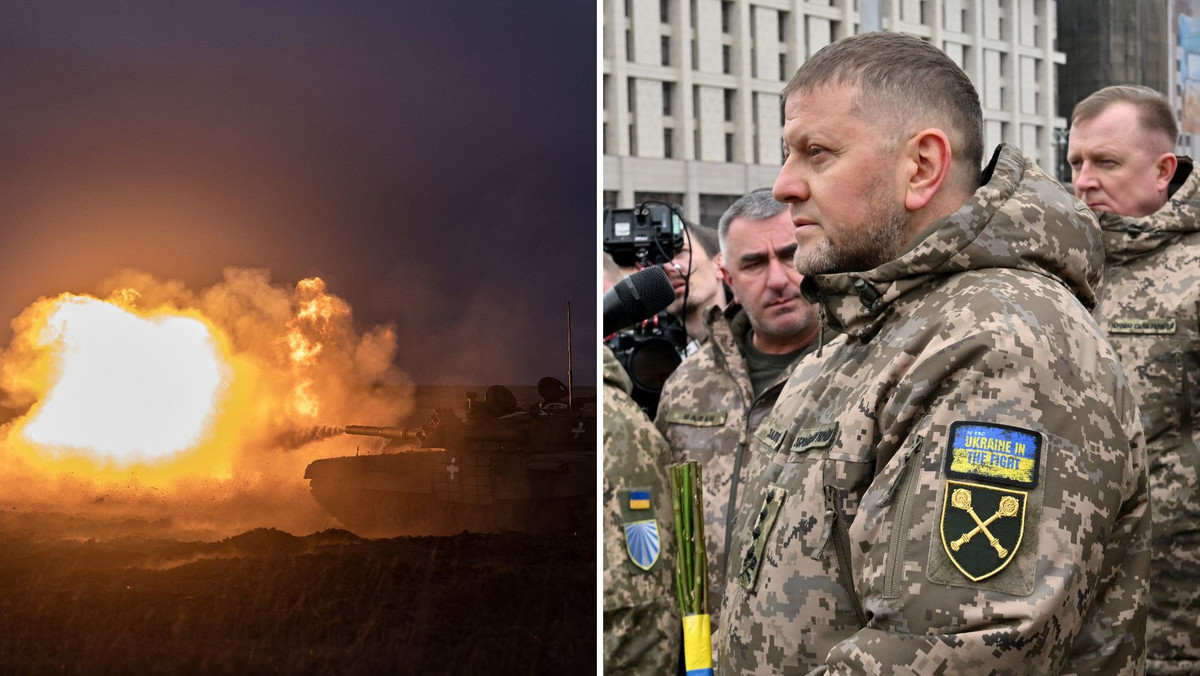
(707, 412)
(966, 461)
(642, 626)
(1149, 309)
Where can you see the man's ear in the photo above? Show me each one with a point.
(1164, 170)
(928, 158)
(723, 274)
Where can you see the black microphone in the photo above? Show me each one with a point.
(638, 297)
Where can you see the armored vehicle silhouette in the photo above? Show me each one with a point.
(502, 467)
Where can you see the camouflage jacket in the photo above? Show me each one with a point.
(707, 413)
(1150, 310)
(642, 629)
(957, 484)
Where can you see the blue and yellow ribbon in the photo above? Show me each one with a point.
(697, 645)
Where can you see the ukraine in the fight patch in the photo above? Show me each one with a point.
(642, 543)
(982, 527)
(992, 452)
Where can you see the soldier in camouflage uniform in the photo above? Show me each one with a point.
(957, 484)
(642, 629)
(717, 397)
(1122, 165)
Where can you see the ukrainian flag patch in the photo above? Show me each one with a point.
(639, 499)
(999, 453)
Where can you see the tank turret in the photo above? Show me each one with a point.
(501, 467)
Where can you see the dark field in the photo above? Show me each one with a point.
(266, 601)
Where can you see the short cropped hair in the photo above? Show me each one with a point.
(758, 205)
(906, 83)
(1155, 114)
(706, 237)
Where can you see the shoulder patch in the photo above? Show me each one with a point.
(1141, 325)
(679, 416)
(642, 543)
(982, 527)
(642, 535)
(1008, 455)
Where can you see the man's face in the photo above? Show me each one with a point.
(847, 202)
(759, 268)
(702, 283)
(1115, 163)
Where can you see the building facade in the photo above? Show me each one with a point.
(690, 88)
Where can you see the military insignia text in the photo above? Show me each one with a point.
(993, 452)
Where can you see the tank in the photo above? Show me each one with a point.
(501, 468)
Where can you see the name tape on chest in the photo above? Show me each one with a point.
(770, 434)
(1140, 325)
(814, 438)
(679, 416)
(1008, 455)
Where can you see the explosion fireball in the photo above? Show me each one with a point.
(173, 404)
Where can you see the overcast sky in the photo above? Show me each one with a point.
(434, 162)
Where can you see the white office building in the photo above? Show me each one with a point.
(691, 87)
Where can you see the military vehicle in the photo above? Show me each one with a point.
(502, 467)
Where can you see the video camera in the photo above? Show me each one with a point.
(650, 233)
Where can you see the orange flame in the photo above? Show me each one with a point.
(157, 387)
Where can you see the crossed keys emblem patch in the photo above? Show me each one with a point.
(981, 527)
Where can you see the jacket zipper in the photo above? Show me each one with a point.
(903, 521)
(1185, 405)
(841, 546)
(729, 506)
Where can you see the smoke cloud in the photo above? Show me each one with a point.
(303, 370)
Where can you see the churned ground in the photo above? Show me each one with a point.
(268, 602)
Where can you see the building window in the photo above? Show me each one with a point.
(668, 145)
(726, 16)
(783, 22)
(632, 140)
(726, 59)
(629, 45)
(713, 207)
(668, 95)
(666, 51)
(632, 94)
(728, 147)
(729, 105)
(664, 11)
(783, 71)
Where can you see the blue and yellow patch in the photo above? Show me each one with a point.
(639, 499)
(999, 453)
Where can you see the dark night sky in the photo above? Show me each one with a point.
(434, 162)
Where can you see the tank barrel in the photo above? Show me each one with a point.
(385, 432)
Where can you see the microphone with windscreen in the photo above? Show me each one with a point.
(636, 298)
